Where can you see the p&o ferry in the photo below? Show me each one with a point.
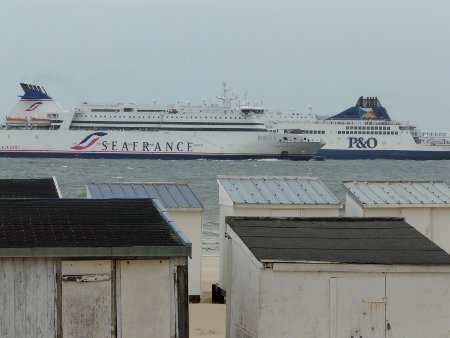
(38, 126)
(365, 131)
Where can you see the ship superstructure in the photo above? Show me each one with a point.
(38, 126)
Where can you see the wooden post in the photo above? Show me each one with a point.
(183, 301)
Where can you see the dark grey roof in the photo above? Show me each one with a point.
(84, 227)
(171, 195)
(344, 240)
(277, 190)
(29, 188)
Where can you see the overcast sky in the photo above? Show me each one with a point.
(289, 54)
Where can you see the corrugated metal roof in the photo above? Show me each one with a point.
(277, 190)
(171, 195)
(99, 226)
(342, 240)
(412, 193)
(29, 188)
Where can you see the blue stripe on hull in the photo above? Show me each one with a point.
(178, 156)
(336, 154)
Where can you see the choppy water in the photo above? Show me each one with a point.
(201, 175)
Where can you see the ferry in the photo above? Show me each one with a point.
(38, 126)
(364, 131)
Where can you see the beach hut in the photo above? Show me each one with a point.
(424, 204)
(183, 206)
(91, 268)
(29, 188)
(275, 196)
(335, 277)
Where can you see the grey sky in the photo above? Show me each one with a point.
(290, 54)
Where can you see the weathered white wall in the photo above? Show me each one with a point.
(352, 208)
(27, 297)
(144, 303)
(224, 211)
(86, 305)
(320, 212)
(358, 306)
(418, 305)
(440, 230)
(419, 218)
(293, 304)
(242, 307)
(382, 212)
(191, 223)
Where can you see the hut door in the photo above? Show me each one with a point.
(86, 299)
(357, 307)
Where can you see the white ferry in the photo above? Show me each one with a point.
(364, 131)
(38, 126)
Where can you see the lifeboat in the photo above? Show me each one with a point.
(16, 121)
(40, 122)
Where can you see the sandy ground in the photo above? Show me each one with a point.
(207, 319)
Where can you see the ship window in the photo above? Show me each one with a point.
(105, 110)
(384, 133)
(396, 133)
(128, 109)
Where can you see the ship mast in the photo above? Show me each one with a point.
(225, 98)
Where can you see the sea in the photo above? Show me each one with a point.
(73, 175)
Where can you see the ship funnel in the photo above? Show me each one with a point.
(35, 103)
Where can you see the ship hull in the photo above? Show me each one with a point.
(170, 145)
(352, 144)
(395, 154)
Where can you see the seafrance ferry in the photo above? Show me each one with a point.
(364, 131)
(38, 126)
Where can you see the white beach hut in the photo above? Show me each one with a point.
(335, 277)
(91, 268)
(275, 196)
(183, 206)
(424, 204)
